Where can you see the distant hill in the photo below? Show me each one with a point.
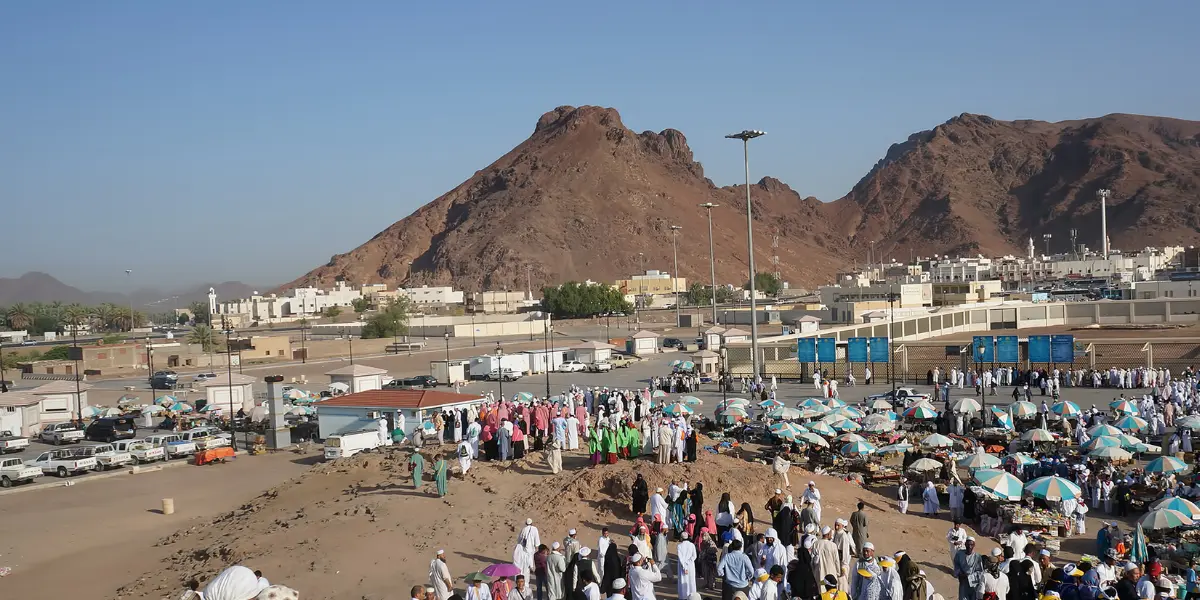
(42, 287)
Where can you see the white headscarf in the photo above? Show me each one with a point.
(235, 583)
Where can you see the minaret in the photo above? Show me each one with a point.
(1030, 248)
(212, 301)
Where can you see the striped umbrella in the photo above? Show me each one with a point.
(687, 365)
(1066, 409)
(1104, 441)
(1189, 422)
(657, 394)
(1023, 409)
(1100, 430)
(1005, 420)
(858, 449)
(675, 363)
(997, 410)
(1038, 434)
(1166, 465)
(1138, 551)
(897, 448)
(834, 403)
(881, 404)
(691, 401)
(847, 425)
(1128, 442)
(733, 411)
(1021, 459)
(847, 438)
(1164, 518)
(524, 397)
(1110, 454)
(809, 413)
(784, 412)
(181, 407)
(769, 404)
(967, 405)
(1130, 423)
(1053, 488)
(1123, 406)
(937, 440)
(1182, 505)
(787, 430)
(924, 464)
(810, 403)
(92, 411)
(166, 400)
(979, 460)
(822, 429)
(813, 438)
(678, 409)
(879, 426)
(735, 402)
(1145, 448)
(849, 412)
(921, 412)
(1001, 483)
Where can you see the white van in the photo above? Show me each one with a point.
(345, 445)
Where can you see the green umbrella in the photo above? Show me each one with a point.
(475, 576)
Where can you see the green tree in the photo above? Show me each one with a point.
(113, 338)
(573, 300)
(391, 321)
(19, 316)
(199, 312)
(205, 336)
(56, 353)
(332, 312)
(767, 283)
(75, 316)
(701, 295)
(360, 305)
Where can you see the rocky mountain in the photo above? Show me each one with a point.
(977, 185)
(586, 197)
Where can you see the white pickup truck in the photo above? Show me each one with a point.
(107, 457)
(12, 443)
(61, 433)
(206, 438)
(175, 446)
(142, 451)
(12, 470)
(61, 463)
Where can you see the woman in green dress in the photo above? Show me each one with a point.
(440, 472)
(416, 464)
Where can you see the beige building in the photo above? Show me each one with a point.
(263, 347)
(652, 283)
(965, 292)
(498, 302)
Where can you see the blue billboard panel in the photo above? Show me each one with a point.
(1039, 348)
(1062, 348)
(1008, 349)
(880, 352)
(826, 350)
(983, 349)
(806, 350)
(856, 349)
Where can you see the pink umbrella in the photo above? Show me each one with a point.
(503, 570)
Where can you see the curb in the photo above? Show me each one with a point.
(136, 470)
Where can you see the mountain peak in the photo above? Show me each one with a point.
(571, 117)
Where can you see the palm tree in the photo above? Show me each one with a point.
(74, 316)
(203, 335)
(19, 316)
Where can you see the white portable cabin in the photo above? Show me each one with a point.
(360, 378)
(541, 361)
(482, 365)
(644, 343)
(449, 372)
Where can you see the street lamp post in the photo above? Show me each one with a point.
(229, 374)
(3, 381)
(745, 137)
(712, 261)
(1046, 237)
(446, 336)
(891, 341)
(129, 279)
(637, 316)
(500, 369)
(549, 363)
(675, 276)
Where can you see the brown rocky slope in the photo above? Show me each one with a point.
(580, 199)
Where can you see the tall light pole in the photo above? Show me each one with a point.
(549, 363)
(500, 369)
(675, 276)
(1103, 195)
(129, 279)
(1074, 248)
(745, 137)
(637, 316)
(1046, 237)
(712, 261)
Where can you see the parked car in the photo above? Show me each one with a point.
(345, 445)
(107, 457)
(110, 429)
(421, 381)
(622, 361)
(206, 438)
(903, 396)
(571, 366)
(60, 433)
(175, 446)
(13, 471)
(202, 377)
(12, 443)
(672, 343)
(61, 463)
(507, 375)
(164, 380)
(142, 451)
(600, 367)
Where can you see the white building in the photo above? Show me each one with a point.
(359, 378)
(403, 409)
(311, 301)
(643, 343)
(961, 269)
(19, 413)
(58, 402)
(441, 295)
(230, 392)
(592, 352)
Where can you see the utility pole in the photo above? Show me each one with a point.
(745, 137)
(3, 380)
(549, 363)
(1046, 237)
(712, 261)
(129, 279)
(675, 276)
(229, 374)
(1074, 247)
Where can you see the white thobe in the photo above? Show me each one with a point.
(813, 495)
(686, 571)
(658, 506)
(641, 582)
(572, 433)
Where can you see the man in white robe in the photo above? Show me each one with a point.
(527, 544)
(685, 573)
(572, 433)
(473, 431)
(813, 495)
(439, 576)
(956, 492)
(777, 554)
(658, 506)
(464, 456)
(846, 550)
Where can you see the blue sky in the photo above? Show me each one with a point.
(196, 141)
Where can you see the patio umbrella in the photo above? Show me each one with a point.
(1128, 442)
(1130, 423)
(847, 425)
(1021, 459)
(128, 399)
(1000, 483)
(207, 408)
(810, 403)
(848, 438)
(1053, 488)
(979, 460)
(734, 402)
(733, 411)
(675, 363)
(153, 409)
(849, 412)
(294, 394)
(1145, 448)
(1123, 406)
(1023, 409)
(769, 404)
(1038, 435)
(181, 407)
(1138, 551)
(338, 386)
(1065, 409)
(881, 404)
(300, 410)
(1104, 441)
(897, 448)
(879, 426)
(691, 401)
(1005, 420)
(502, 570)
(1166, 465)
(813, 438)
(657, 394)
(921, 412)
(784, 412)
(687, 364)
(1182, 505)
(924, 464)
(858, 449)
(1164, 518)
(967, 405)
(1189, 422)
(1110, 453)
(1100, 430)
(834, 403)
(810, 413)
(678, 409)
(787, 430)
(167, 400)
(258, 413)
(937, 440)
(822, 429)
(523, 397)
(475, 576)
(92, 411)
